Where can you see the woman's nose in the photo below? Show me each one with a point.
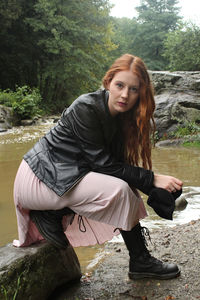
(124, 92)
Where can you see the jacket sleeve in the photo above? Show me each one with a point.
(86, 126)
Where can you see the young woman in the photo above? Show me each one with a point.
(87, 167)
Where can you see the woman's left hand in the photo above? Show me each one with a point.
(170, 183)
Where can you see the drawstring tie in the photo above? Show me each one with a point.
(81, 223)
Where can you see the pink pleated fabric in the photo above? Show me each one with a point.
(104, 202)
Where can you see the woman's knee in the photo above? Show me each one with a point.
(124, 187)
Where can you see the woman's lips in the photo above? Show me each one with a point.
(122, 104)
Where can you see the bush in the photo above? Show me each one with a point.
(190, 128)
(181, 48)
(24, 101)
(6, 98)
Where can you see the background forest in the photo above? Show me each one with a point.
(51, 51)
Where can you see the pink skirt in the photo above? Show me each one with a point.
(104, 202)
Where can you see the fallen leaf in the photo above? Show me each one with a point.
(186, 286)
(158, 284)
(169, 297)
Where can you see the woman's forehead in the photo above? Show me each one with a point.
(127, 77)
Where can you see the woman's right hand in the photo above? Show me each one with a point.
(169, 183)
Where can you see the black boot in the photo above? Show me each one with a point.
(49, 224)
(142, 264)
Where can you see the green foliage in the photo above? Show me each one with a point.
(124, 30)
(24, 101)
(156, 18)
(16, 291)
(144, 36)
(59, 46)
(4, 292)
(10, 10)
(195, 144)
(64, 47)
(181, 48)
(6, 98)
(189, 128)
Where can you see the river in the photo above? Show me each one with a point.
(180, 162)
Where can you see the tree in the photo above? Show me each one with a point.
(123, 29)
(182, 48)
(156, 18)
(13, 40)
(10, 10)
(59, 46)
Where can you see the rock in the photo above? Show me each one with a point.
(34, 272)
(196, 85)
(181, 203)
(56, 119)
(27, 122)
(163, 80)
(5, 118)
(3, 129)
(177, 142)
(169, 143)
(177, 97)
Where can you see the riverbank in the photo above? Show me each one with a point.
(109, 280)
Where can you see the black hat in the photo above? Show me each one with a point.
(163, 202)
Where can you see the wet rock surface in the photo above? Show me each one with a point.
(33, 273)
(180, 244)
(177, 142)
(177, 97)
(5, 118)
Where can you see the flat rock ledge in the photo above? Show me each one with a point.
(34, 272)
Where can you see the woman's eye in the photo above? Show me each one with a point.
(133, 89)
(119, 85)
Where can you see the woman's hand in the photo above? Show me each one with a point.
(171, 184)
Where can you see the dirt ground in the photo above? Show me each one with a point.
(109, 280)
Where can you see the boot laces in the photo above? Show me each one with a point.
(145, 233)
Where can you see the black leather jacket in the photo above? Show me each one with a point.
(86, 138)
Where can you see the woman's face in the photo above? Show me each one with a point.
(123, 92)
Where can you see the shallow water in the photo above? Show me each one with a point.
(183, 163)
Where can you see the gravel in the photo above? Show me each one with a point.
(109, 280)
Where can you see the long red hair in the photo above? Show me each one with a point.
(138, 123)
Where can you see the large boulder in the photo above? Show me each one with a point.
(34, 272)
(5, 118)
(177, 97)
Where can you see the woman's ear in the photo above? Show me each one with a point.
(108, 86)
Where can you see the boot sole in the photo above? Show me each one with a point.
(135, 275)
(45, 234)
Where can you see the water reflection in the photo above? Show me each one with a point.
(180, 162)
(13, 145)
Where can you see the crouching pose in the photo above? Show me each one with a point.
(80, 182)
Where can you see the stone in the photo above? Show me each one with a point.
(34, 272)
(181, 203)
(196, 85)
(177, 97)
(2, 129)
(169, 143)
(27, 122)
(5, 118)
